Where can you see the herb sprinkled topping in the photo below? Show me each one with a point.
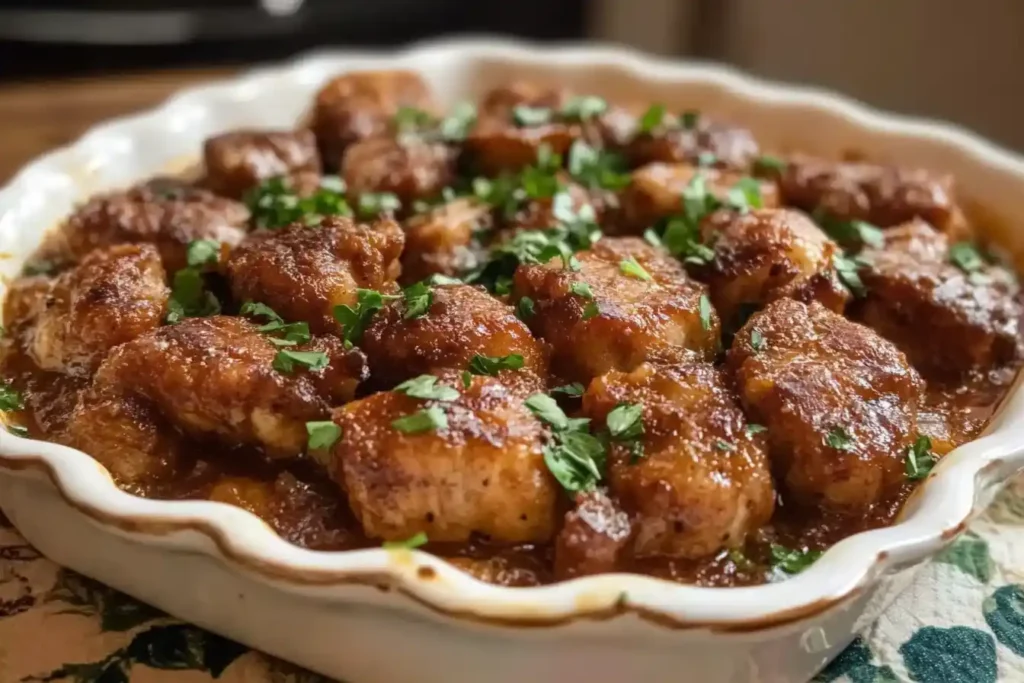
(321, 435)
(525, 308)
(411, 543)
(574, 456)
(848, 267)
(457, 125)
(274, 203)
(525, 117)
(427, 388)
(651, 118)
(690, 119)
(189, 296)
(584, 108)
(756, 340)
(10, 398)
(283, 334)
(625, 423)
(427, 419)
(631, 268)
(287, 360)
(574, 390)
(418, 298)
(839, 439)
(966, 257)
(754, 428)
(792, 561)
(373, 204)
(769, 163)
(355, 320)
(920, 459)
(492, 365)
(705, 311)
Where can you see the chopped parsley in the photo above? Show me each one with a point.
(756, 340)
(631, 268)
(525, 308)
(966, 257)
(584, 108)
(651, 118)
(690, 119)
(706, 159)
(10, 398)
(285, 334)
(705, 311)
(525, 116)
(458, 123)
(920, 459)
(853, 233)
(792, 561)
(591, 310)
(274, 204)
(428, 419)
(574, 390)
(625, 423)
(201, 253)
(839, 439)
(355, 320)
(769, 163)
(582, 289)
(411, 543)
(467, 379)
(754, 428)
(373, 204)
(418, 298)
(189, 296)
(597, 169)
(725, 446)
(492, 365)
(286, 360)
(321, 435)
(574, 456)
(848, 267)
(546, 408)
(412, 119)
(427, 388)
(745, 194)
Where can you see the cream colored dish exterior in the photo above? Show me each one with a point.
(377, 616)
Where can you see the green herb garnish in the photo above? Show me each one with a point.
(920, 459)
(287, 360)
(584, 108)
(492, 365)
(10, 398)
(410, 543)
(754, 428)
(706, 311)
(201, 253)
(631, 268)
(756, 340)
(373, 204)
(792, 561)
(418, 298)
(690, 119)
(355, 320)
(966, 257)
(427, 388)
(574, 456)
(574, 390)
(428, 419)
(285, 334)
(839, 439)
(321, 435)
(651, 118)
(525, 308)
(458, 123)
(274, 203)
(525, 116)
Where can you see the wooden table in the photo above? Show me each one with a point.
(38, 116)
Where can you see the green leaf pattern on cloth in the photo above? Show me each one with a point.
(950, 655)
(1004, 614)
(970, 555)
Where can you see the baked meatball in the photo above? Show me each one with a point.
(409, 168)
(481, 471)
(656, 192)
(594, 539)
(219, 377)
(839, 403)
(767, 254)
(704, 141)
(168, 216)
(605, 316)
(303, 272)
(948, 321)
(461, 322)
(111, 297)
(445, 240)
(882, 195)
(362, 104)
(701, 482)
(242, 159)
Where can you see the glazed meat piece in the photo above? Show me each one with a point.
(705, 141)
(242, 159)
(362, 104)
(948, 321)
(25, 298)
(462, 321)
(656, 192)
(481, 471)
(839, 403)
(702, 481)
(767, 254)
(608, 317)
(409, 168)
(166, 215)
(882, 195)
(303, 272)
(444, 240)
(219, 377)
(594, 539)
(112, 296)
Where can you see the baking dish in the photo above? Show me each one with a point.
(397, 615)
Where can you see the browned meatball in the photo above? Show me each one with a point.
(167, 216)
(113, 296)
(602, 318)
(362, 104)
(946, 320)
(242, 159)
(594, 539)
(702, 481)
(656, 192)
(882, 195)
(706, 141)
(303, 272)
(482, 471)
(409, 168)
(219, 377)
(444, 240)
(462, 321)
(767, 254)
(839, 401)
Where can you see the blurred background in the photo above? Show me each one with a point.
(65, 64)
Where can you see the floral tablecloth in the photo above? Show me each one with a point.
(962, 621)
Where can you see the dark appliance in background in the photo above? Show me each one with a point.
(47, 38)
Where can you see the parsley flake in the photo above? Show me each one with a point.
(274, 204)
(467, 379)
(769, 163)
(355, 320)
(411, 543)
(581, 289)
(574, 390)
(492, 365)
(651, 118)
(458, 123)
(428, 419)
(418, 298)
(705, 311)
(201, 253)
(287, 360)
(373, 204)
(966, 257)
(920, 459)
(287, 334)
(754, 428)
(725, 446)
(189, 297)
(321, 435)
(848, 268)
(584, 108)
(792, 561)
(412, 119)
(853, 233)
(10, 398)
(427, 388)
(625, 422)
(631, 268)
(525, 308)
(690, 119)
(756, 340)
(839, 439)
(525, 116)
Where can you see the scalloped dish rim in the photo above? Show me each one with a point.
(937, 511)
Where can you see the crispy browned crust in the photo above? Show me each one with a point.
(239, 160)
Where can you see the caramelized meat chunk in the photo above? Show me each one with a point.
(656, 192)
(594, 539)
(882, 195)
(408, 168)
(947, 320)
(461, 323)
(765, 255)
(839, 402)
(606, 316)
(480, 470)
(706, 142)
(701, 482)
(303, 272)
(219, 377)
(242, 159)
(113, 296)
(167, 216)
(25, 298)
(444, 241)
(362, 104)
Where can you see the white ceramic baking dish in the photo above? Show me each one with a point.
(378, 616)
